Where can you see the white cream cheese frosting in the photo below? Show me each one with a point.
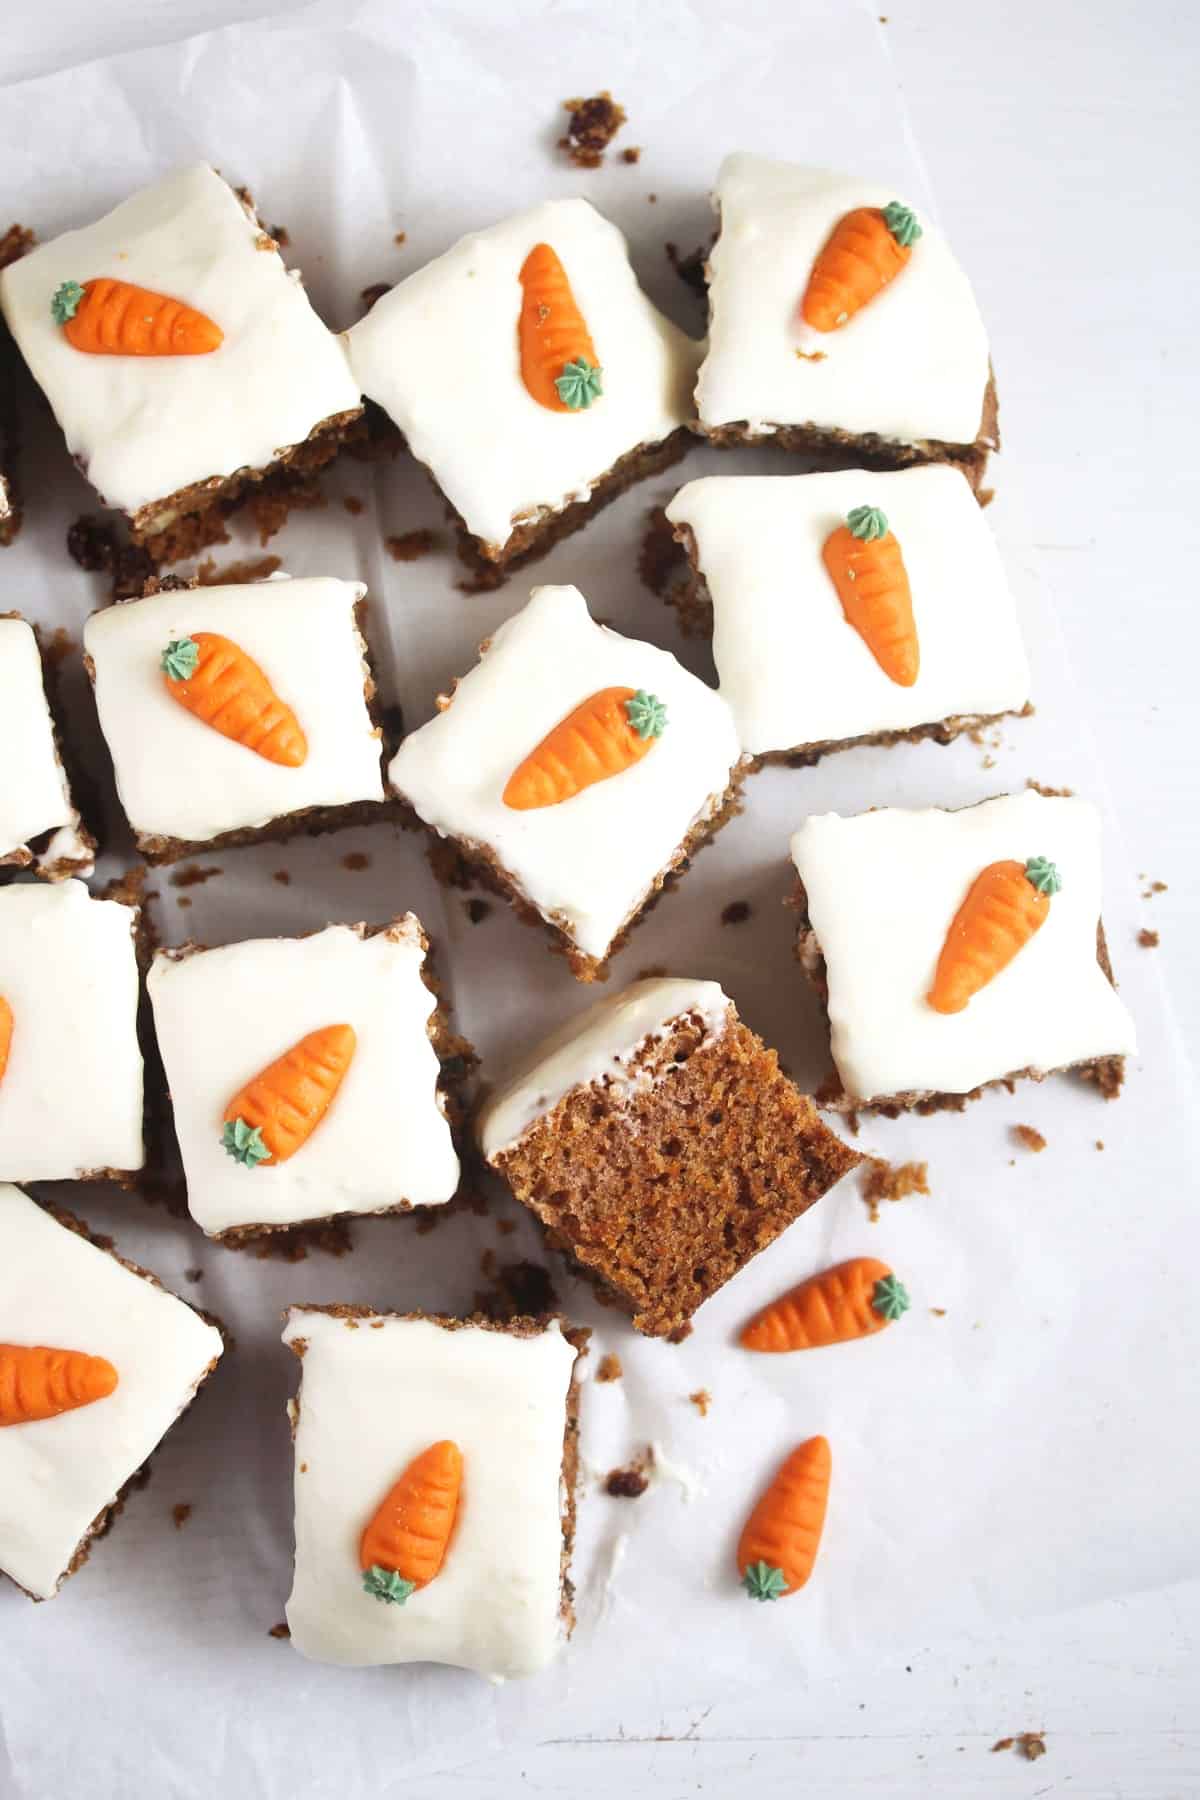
(588, 862)
(57, 1475)
(793, 670)
(143, 427)
(34, 797)
(439, 354)
(883, 888)
(372, 1397)
(911, 365)
(222, 1016)
(71, 1097)
(178, 777)
(597, 1046)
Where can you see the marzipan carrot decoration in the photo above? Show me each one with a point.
(216, 681)
(867, 569)
(405, 1544)
(777, 1549)
(275, 1114)
(849, 1301)
(558, 358)
(605, 735)
(39, 1383)
(6, 1032)
(1005, 905)
(107, 317)
(866, 249)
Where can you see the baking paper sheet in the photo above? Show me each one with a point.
(1015, 1445)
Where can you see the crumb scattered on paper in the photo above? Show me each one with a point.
(609, 1367)
(1029, 1136)
(701, 1400)
(194, 875)
(1152, 888)
(1099, 1143)
(632, 155)
(736, 913)
(282, 877)
(282, 1630)
(250, 568)
(181, 1512)
(626, 1484)
(193, 1274)
(293, 1244)
(939, 1312)
(882, 1180)
(591, 128)
(410, 546)
(356, 860)
(477, 910)
(1029, 1744)
(1147, 939)
(353, 505)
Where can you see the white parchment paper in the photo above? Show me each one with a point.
(1020, 1443)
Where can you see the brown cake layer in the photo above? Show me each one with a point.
(663, 1189)
(524, 1327)
(1106, 1072)
(461, 862)
(107, 1517)
(13, 244)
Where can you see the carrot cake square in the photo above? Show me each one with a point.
(98, 1363)
(70, 1060)
(476, 1423)
(573, 769)
(182, 359)
(851, 608)
(306, 1076)
(661, 1145)
(959, 948)
(840, 322)
(530, 375)
(235, 714)
(39, 826)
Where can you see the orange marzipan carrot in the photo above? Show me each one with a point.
(405, 1543)
(866, 249)
(276, 1113)
(603, 736)
(851, 1300)
(778, 1547)
(1005, 904)
(109, 317)
(6, 1033)
(216, 681)
(558, 359)
(37, 1382)
(866, 567)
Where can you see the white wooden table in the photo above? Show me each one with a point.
(1062, 139)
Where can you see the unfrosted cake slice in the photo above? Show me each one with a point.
(70, 1060)
(851, 608)
(309, 1077)
(236, 714)
(181, 358)
(39, 825)
(661, 1145)
(436, 1467)
(574, 770)
(954, 949)
(840, 322)
(97, 1363)
(530, 375)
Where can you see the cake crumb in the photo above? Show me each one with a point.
(181, 1512)
(282, 1630)
(1099, 1143)
(410, 546)
(701, 1400)
(331, 1238)
(736, 913)
(506, 1227)
(282, 877)
(690, 267)
(1029, 1744)
(477, 910)
(401, 237)
(356, 860)
(194, 875)
(1029, 1136)
(681, 1333)
(270, 511)
(183, 901)
(939, 1312)
(520, 1290)
(264, 241)
(609, 1367)
(353, 505)
(1155, 887)
(193, 1274)
(1050, 793)
(1147, 939)
(883, 1180)
(626, 1484)
(652, 199)
(632, 155)
(592, 126)
(250, 568)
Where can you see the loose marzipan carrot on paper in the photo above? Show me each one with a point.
(404, 1546)
(39, 1383)
(558, 359)
(866, 249)
(778, 1547)
(866, 567)
(107, 317)
(851, 1300)
(275, 1114)
(1005, 905)
(223, 687)
(606, 734)
(6, 1033)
